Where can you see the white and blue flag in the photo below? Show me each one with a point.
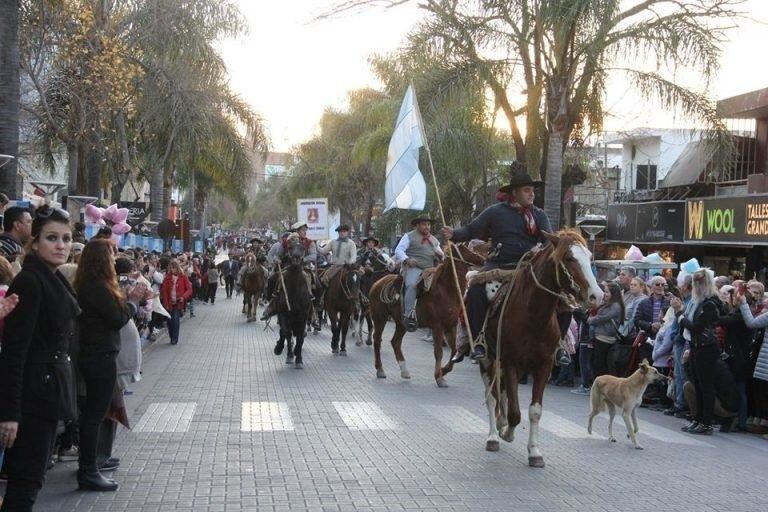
(405, 187)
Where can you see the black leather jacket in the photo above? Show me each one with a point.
(705, 319)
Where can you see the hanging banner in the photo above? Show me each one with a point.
(314, 212)
(660, 221)
(621, 223)
(334, 221)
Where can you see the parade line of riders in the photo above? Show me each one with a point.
(76, 315)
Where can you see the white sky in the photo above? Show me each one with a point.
(290, 68)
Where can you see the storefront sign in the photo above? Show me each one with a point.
(654, 222)
(137, 211)
(727, 220)
(621, 222)
(660, 222)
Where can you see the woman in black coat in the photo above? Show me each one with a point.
(35, 371)
(699, 321)
(105, 311)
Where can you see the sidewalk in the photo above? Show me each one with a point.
(220, 424)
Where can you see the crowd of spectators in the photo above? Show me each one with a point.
(72, 327)
(705, 332)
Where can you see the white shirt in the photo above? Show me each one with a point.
(405, 243)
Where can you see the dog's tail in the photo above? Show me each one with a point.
(595, 397)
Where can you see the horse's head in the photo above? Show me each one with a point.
(574, 266)
(351, 280)
(250, 261)
(295, 249)
(464, 254)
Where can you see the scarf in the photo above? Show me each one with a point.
(426, 239)
(528, 219)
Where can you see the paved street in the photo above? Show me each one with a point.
(221, 424)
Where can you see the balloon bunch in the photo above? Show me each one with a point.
(111, 216)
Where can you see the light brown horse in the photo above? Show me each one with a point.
(438, 309)
(252, 283)
(530, 333)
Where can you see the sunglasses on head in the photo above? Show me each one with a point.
(45, 212)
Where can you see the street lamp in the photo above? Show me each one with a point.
(4, 159)
(592, 225)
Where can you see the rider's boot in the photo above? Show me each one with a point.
(411, 325)
(562, 358)
(461, 353)
(478, 352)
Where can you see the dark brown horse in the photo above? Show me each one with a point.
(252, 283)
(527, 323)
(438, 309)
(341, 299)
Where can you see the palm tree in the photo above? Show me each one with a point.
(560, 53)
(9, 93)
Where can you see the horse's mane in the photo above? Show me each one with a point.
(568, 237)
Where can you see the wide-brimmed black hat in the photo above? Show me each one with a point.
(422, 219)
(370, 238)
(343, 227)
(520, 179)
(256, 240)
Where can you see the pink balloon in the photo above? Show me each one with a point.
(110, 211)
(120, 215)
(120, 228)
(93, 214)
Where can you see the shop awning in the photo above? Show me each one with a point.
(689, 165)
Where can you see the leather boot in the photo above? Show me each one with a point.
(92, 480)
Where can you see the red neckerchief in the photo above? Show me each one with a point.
(530, 221)
(426, 239)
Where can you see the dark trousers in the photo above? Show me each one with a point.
(477, 304)
(702, 360)
(585, 365)
(174, 324)
(99, 373)
(107, 433)
(229, 284)
(26, 462)
(212, 287)
(601, 363)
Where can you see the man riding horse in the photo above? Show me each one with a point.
(417, 250)
(515, 226)
(369, 257)
(343, 251)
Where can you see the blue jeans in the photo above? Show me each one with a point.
(679, 348)
(174, 324)
(585, 364)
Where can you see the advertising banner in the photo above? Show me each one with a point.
(727, 220)
(137, 211)
(314, 212)
(621, 223)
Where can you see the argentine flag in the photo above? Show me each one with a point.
(404, 187)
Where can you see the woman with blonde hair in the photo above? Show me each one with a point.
(698, 321)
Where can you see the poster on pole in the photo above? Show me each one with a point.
(314, 212)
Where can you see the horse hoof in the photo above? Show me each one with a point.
(279, 349)
(251, 319)
(289, 360)
(369, 342)
(491, 446)
(335, 351)
(298, 366)
(507, 434)
(343, 353)
(536, 462)
(358, 343)
(380, 374)
(441, 383)
(406, 374)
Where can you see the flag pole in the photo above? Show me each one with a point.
(442, 219)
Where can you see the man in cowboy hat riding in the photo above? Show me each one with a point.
(515, 226)
(343, 250)
(417, 250)
(369, 258)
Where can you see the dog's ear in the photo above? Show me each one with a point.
(644, 366)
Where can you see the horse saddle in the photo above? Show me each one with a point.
(494, 280)
(424, 284)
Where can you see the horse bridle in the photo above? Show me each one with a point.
(560, 268)
(343, 282)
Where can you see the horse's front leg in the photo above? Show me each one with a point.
(492, 441)
(344, 328)
(535, 457)
(508, 385)
(299, 362)
(450, 337)
(334, 332)
(438, 336)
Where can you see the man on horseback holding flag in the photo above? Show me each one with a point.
(515, 226)
(417, 251)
